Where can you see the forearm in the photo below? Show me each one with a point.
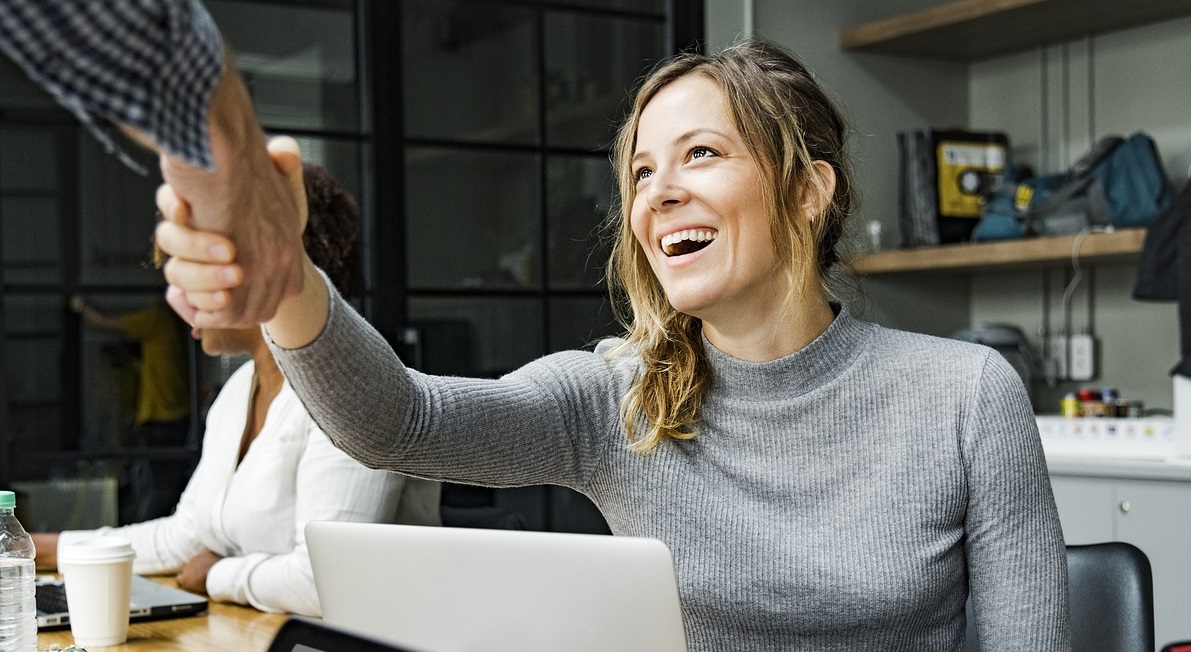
(274, 583)
(300, 319)
(335, 361)
(533, 426)
(100, 321)
(162, 545)
(237, 144)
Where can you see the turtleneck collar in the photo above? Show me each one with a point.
(798, 373)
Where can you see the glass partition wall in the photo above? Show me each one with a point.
(509, 112)
(474, 134)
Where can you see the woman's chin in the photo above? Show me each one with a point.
(690, 307)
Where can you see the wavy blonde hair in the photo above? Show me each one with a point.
(787, 122)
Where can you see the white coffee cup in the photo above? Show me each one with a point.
(98, 575)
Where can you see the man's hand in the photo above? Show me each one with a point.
(249, 197)
(201, 272)
(211, 283)
(193, 576)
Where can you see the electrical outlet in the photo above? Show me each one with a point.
(1057, 350)
(1081, 357)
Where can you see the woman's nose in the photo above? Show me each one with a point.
(666, 191)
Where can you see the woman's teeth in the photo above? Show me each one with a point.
(688, 241)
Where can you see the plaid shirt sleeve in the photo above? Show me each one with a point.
(148, 64)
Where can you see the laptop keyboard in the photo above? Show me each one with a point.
(51, 598)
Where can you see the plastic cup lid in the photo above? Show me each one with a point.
(96, 549)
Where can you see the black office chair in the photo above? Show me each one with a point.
(1112, 600)
(470, 506)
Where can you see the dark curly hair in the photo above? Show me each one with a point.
(332, 236)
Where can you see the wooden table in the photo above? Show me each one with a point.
(225, 628)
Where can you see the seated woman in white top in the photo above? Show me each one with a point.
(237, 533)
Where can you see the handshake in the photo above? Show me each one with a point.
(233, 235)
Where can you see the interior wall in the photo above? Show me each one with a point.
(1052, 102)
(724, 21)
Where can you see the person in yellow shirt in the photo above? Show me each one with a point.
(162, 419)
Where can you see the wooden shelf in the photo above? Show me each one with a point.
(967, 30)
(1119, 246)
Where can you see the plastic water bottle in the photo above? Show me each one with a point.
(18, 606)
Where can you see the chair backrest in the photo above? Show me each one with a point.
(1112, 600)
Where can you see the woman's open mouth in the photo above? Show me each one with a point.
(687, 241)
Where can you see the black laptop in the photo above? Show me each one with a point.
(148, 600)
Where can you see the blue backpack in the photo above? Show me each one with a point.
(1133, 182)
(1120, 182)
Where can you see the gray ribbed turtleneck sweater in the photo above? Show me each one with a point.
(845, 497)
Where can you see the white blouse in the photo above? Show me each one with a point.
(254, 514)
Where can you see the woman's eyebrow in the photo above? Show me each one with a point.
(699, 131)
(685, 137)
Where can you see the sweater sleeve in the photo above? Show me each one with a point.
(545, 423)
(1017, 561)
(329, 486)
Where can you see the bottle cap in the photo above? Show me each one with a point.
(8, 500)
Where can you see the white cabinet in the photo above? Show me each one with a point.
(1149, 510)
(1085, 509)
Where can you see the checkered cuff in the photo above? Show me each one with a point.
(149, 64)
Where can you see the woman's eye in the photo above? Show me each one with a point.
(641, 174)
(702, 152)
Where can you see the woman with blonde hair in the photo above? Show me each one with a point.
(823, 483)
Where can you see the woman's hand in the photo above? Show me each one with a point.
(46, 544)
(77, 303)
(193, 576)
(200, 267)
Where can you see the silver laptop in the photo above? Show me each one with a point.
(148, 600)
(446, 589)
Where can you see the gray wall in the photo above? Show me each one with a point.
(1052, 102)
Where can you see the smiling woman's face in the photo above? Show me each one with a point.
(699, 213)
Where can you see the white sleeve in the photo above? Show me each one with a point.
(330, 487)
(162, 545)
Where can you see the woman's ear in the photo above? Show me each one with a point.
(820, 188)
